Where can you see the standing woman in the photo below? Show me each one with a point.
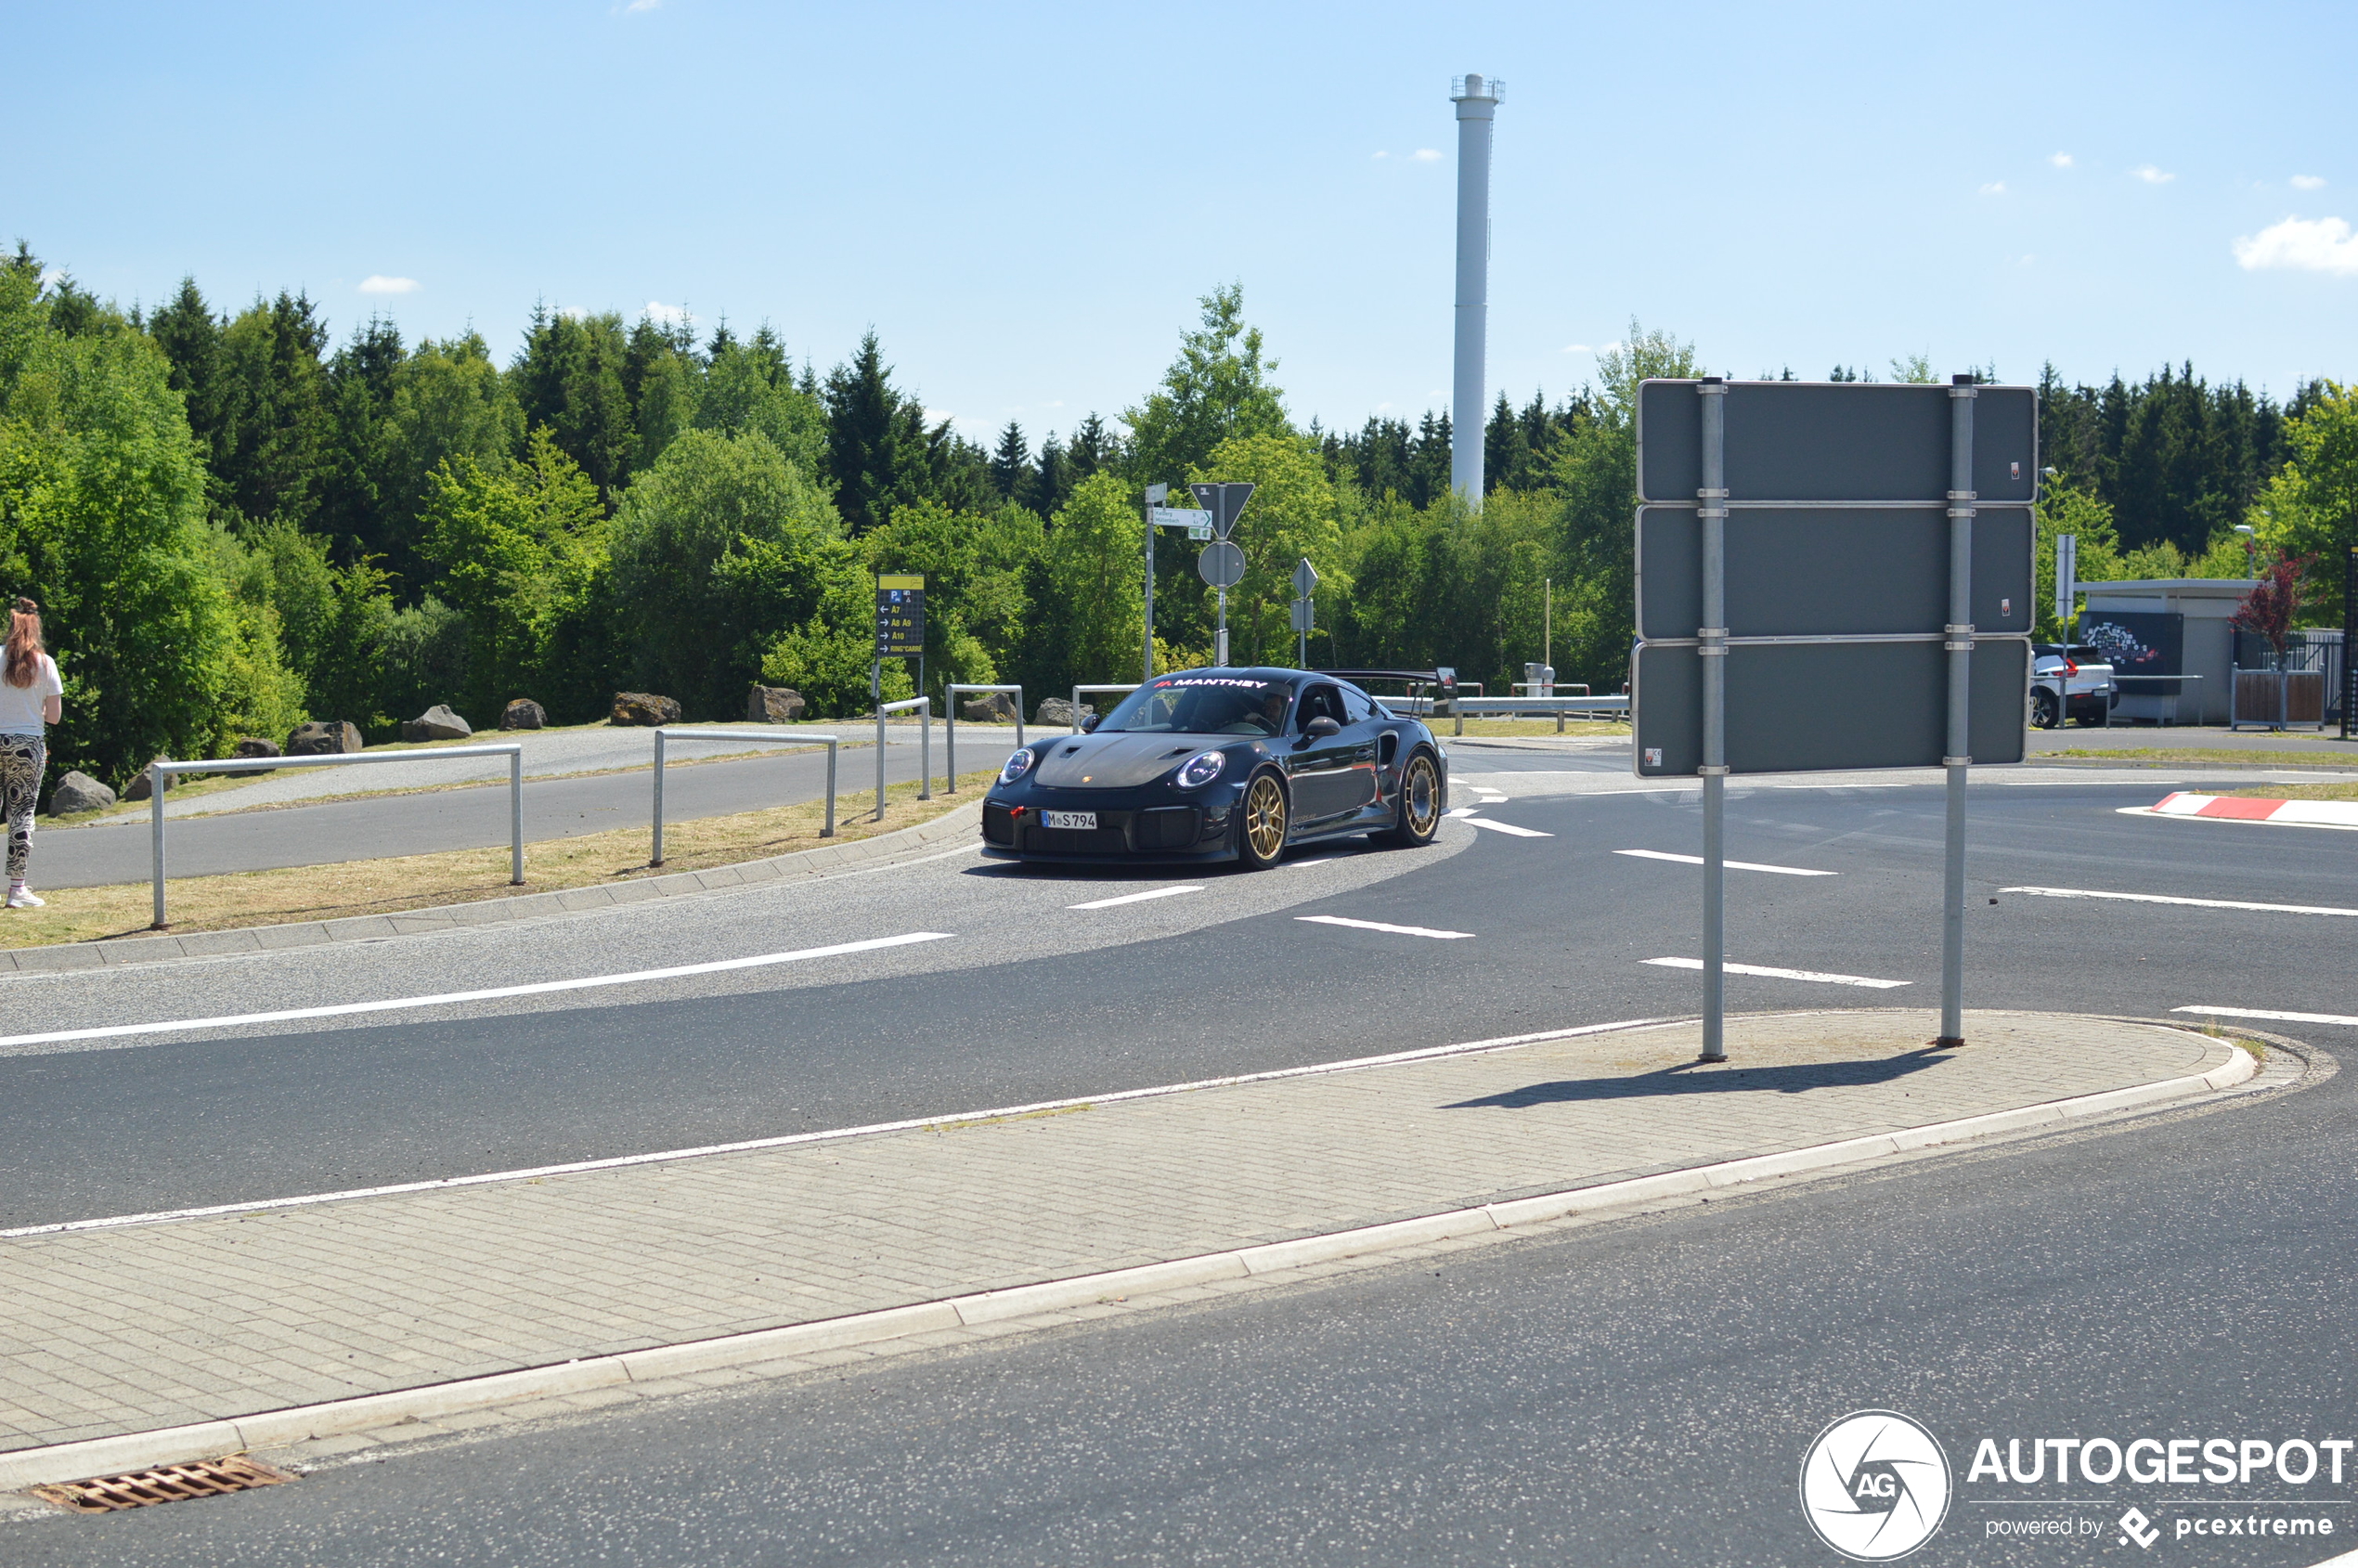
(31, 698)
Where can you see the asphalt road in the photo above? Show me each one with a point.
(120, 849)
(1640, 1391)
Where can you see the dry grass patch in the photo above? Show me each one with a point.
(2301, 792)
(381, 886)
(2219, 754)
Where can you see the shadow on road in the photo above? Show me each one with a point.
(1687, 1077)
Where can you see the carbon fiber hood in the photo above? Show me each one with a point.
(1113, 762)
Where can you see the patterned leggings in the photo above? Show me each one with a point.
(22, 757)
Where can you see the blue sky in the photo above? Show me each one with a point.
(1025, 202)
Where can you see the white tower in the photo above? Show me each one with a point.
(1477, 100)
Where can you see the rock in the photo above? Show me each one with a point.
(437, 723)
(774, 705)
(255, 745)
(643, 707)
(1057, 713)
(324, 737)
(992, 707)
(78, 792)
(142, 782)
(523, 714)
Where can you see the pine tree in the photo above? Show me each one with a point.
(1011, 470)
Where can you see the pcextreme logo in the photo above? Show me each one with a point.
(1874, 1486)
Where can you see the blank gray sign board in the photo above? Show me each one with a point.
(1857, 570)
(1816, 441)
(1887, 702)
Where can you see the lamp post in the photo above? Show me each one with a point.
(2251, 564)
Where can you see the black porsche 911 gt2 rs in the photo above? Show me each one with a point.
(1221, 764)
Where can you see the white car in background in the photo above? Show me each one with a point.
(2071, 682)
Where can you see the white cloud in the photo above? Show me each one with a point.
(1578, 348)
(378, 283)
(669, 315)
(50, 275)
(938, 416)
(1995, 187)
(636, 6)
(2309, 182)
(574, 312)
(1382, 155)
(2152, 176)
(2060, 160)
(2301, 245)
(1426, 155)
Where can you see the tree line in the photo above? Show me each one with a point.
(236, 522)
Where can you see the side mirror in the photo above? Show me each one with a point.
(1321, 727)
(1089, 723)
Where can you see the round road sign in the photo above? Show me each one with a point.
(1222, 564)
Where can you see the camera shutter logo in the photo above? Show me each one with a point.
(1874, 1486)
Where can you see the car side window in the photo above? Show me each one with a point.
(1356, 705)
(1319, 702)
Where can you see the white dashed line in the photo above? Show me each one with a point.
(1379, 926)
(1767, 973)
(1732, 866)
(1508, 827)
(2197, 903)
(1135, 898)
(1462, 811)
(2343, 1018)
(543, 988)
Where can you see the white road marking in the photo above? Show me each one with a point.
(453, 998)
(1508, 827)
(1784, 974)
(1462, 811)
(1379, 926)
(1426, 1053)
(2197, 903)
(1135, 898)
(1732, 865)
(2264, 1013)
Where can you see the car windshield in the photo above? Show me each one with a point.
(1203, 705)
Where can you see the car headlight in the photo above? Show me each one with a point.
(1018, 765)
(1201, 769)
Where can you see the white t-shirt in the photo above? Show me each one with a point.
(20, 706)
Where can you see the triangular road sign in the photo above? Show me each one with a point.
(1225, 502)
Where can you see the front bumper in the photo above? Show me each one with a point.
(1129, 828)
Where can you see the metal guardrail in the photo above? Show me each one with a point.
(925, 747)
(161, 772)
(950, 727)
(1422, 706)
(663, 736)
(1076, 699)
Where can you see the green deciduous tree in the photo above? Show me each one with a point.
(2311, 506)
(1217, 389)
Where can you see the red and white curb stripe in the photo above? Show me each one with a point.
(2243, 808)
(108, 1455)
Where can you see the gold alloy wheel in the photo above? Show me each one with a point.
(1266, 817)
(1422, 794)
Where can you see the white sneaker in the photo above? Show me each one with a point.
(24, 897)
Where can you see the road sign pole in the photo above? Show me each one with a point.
(1959, 643)
(1713, 636)
(1156, 495)
(1220, 653)
(2350, 643)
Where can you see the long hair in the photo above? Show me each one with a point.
(24, 644)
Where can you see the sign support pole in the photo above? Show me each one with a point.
(1156, 495)
(1713, 636)
(2349, 643)
(1959, 644)
(1221, 656)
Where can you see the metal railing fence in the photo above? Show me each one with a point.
(950, 726)
(663, 736)
(160, 773)
(925, 747)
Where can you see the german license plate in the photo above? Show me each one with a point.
(1086, 820)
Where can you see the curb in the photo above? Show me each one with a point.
(963, 821)
(2249, 808)
(107, 1455)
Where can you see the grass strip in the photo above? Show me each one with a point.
(2301, 792)
(2218, 754)
(1444, 726)
(451, 877)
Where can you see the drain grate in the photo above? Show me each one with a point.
(165, 1484)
